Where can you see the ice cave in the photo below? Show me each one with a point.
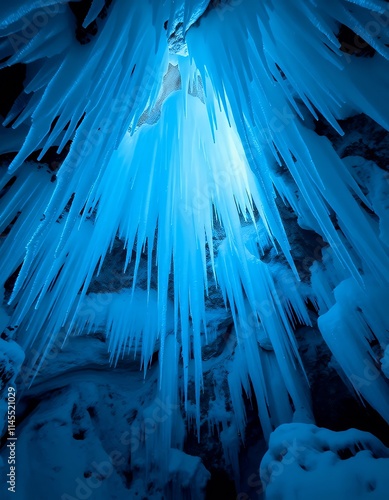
(194, 249)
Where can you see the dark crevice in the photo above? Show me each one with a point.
(353, 44)
(80, 11)
(11, 86)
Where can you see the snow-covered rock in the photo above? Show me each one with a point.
(305, 462)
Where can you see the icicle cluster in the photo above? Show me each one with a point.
(253, 73)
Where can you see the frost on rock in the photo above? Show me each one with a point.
(305, 461)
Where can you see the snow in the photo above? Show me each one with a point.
(92, 425)
(305, 461)
(187, 473)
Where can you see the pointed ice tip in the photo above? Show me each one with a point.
(14, 165)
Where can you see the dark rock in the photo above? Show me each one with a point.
(353, 44)
(362, 137)
(80, 11)
(11, 86)
(334, 406)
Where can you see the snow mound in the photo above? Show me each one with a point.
(305, 462)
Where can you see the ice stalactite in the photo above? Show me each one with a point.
(180, 203)
(158, 168)
(269, 307)
(356, 330)
(274, 71)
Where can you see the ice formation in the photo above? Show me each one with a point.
(161, 164)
